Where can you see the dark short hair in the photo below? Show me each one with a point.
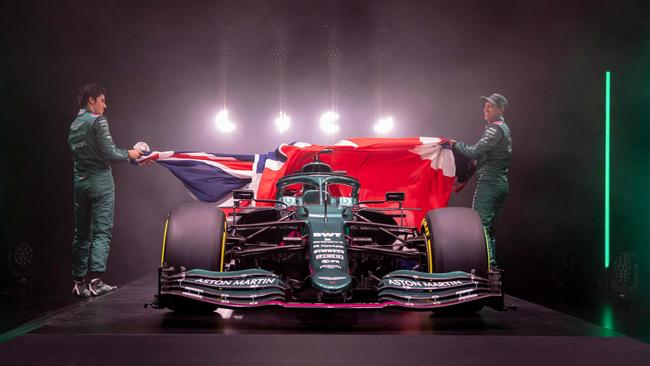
(89, 91)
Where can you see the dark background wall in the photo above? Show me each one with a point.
(161, 64)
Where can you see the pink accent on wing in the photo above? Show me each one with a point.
(309, 305)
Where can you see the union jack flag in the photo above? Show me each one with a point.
(418, 166)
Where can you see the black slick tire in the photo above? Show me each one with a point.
(194, 239)
(456, 242)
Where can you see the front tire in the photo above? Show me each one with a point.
(194, 239)
(456, 242)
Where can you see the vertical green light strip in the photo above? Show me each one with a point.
(607, 156)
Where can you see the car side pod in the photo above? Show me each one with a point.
(419, 289)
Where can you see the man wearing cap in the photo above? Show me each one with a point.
(94, 192)
(492, 153)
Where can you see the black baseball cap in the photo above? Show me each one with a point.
(497, 99)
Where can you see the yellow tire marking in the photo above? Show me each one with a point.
(428, 236)
(223, 246)
(487, 246)
(162, 255)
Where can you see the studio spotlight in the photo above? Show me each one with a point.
(224, 124)
(384, 125)
(282, 122)
(329, 122)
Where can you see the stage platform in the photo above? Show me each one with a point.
(117, 329)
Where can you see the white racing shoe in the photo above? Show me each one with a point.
(98, 288)
(80, 289)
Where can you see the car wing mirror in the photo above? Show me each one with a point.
(395, 196)
(243, 194)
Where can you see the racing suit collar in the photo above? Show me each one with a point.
(84, 110)
(500, 119)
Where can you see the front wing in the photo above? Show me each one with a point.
(256, 288)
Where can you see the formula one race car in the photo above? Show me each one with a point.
(318, 246)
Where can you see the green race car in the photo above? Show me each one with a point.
(318, 246)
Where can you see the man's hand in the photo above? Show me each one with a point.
(134, 154)
(447, 143)
(146, 162)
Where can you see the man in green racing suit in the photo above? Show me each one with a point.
(94, 191)
(492, 153)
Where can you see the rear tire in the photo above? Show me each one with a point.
(194, 239)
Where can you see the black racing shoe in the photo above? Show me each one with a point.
(98, 288)
(80, 289)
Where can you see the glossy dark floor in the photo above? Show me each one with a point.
(117, 328)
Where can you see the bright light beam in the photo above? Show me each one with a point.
(384, 125)
(607, 158)
(328, 122)
(282, 122)
(224, 124)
